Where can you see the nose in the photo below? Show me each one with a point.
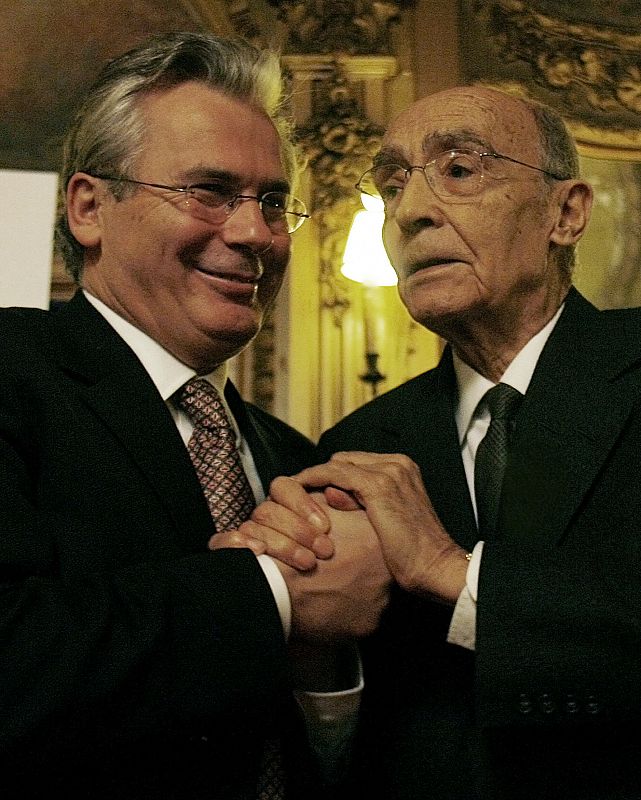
(419, 205)
(246, 226)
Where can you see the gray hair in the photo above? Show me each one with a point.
(106, 134)
(560, 157)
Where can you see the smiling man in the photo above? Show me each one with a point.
(134, 661)
(197, 286)
(503, 485)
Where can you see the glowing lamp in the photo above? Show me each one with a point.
(365, 259)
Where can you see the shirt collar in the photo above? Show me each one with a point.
(472, 385)
(165, 370)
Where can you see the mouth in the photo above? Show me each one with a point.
(239, 286)
(431, 263)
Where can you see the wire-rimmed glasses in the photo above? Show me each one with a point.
(215, 203)
(454, 175)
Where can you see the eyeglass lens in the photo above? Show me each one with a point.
(451, 174)
(281, 212)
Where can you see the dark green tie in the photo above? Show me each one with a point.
(491, 456)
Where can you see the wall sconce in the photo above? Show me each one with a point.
(365, 261)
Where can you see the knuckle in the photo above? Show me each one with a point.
(277, 484)
(260, 514)
(249, 531)
(409, 465)
(247, 528)
(400, 469)
(397, 468)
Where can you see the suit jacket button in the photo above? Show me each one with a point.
(525, 704)
(571, 705)
(548, 706)
(592, 705)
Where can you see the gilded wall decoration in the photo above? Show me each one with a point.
(244, 18)
(609, 253)
(588, 69)
(338, 26)
(339, 143)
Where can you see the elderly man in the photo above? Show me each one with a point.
(508, 664)
(134, 661)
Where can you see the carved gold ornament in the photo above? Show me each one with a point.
(339, 143)
(590, 72)
(338, 26)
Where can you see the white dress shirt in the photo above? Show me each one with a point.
(472, 421)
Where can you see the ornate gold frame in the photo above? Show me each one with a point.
(590, 72)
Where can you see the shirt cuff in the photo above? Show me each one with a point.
(462, 631)
(331, 719)
(279, 590)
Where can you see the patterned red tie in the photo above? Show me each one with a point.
(213, 452)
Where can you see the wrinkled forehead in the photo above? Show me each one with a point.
(470, 117)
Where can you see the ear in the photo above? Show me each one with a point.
(574, 204)
(84, 195)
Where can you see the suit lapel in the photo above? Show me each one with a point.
(423, 427)
(447, 484)
(264, 453)
(112, 382)
(583, 389)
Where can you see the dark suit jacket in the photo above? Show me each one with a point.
(134, 663)
(549, 706)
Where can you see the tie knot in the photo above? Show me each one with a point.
(502, 401)
(202, 403)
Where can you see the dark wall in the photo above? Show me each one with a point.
(50, 51)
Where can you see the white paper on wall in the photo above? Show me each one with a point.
(27, 215)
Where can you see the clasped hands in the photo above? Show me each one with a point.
(366, 516)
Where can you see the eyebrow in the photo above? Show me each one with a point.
(389, 155)
(202, 175)
(440, 141)
(433, 143)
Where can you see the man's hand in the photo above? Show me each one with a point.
(334, 598)
(343, 597)
(418, 551)
(420, 554)
(290, 525)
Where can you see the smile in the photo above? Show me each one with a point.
(238, 286)
(224, 276)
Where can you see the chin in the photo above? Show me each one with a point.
(238, 335)
(437, 317)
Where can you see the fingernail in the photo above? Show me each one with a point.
(323, 546)
(304, 559)
(317, 521)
